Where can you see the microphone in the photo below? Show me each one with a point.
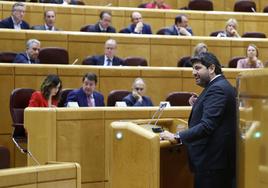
(162, 107)
(108, 5)
(160, 111)
(25, 151)
(253, 10)
(75, 61)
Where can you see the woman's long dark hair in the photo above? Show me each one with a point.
(51, 81)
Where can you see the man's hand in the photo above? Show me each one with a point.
(138, 28)
(137, 96)
(192, 99)
(183, 31)
(168, 136)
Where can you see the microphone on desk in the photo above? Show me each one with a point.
(162, 107)
(75, 61)
(160, 111)
(108, 5)
(253, 10)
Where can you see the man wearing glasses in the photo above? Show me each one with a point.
(15, 21)
(137, 98)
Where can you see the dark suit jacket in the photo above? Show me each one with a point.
(131, 101)
(145, 30)
(79, 96)
(22, 58)
(210, 139)
(173, 31)
(99, 60)
(8, 23)
(41, 27)
(73, 2)
(96, 28)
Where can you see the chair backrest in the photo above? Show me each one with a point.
(135, 61)
(116, 95)
(77, 2)
(245, 6)
(63, 96)
(88, 61)
(4, 157)
(19, 100)
(143, 5)
(254, 35)
(215, 33)
(265, 9)
(124, 30)
(53, 55)
(179, 98)
(162, 31)
(7, 57)
(184, 62)
(233, 62)
(200, 5)
(85, 27)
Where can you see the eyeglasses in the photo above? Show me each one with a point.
(139, 88)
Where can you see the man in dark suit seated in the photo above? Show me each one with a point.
(64, 2)
(104, 24)
(109, 58)
(137, 26)
(180, 27)
(15, 21)
(137, 98)
(50, 19)
(86, 96)
(31, 55)
(211, 135)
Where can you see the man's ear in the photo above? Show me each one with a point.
(211, 69)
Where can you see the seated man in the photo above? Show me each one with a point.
(50, 19)
(158, 4)
(104, 24)
(137, 26)
(15, 21)
(31, 54)
(109, 58)
(137, 98)
(180, 27)
(86, 96)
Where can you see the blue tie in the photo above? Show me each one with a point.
(109, 62)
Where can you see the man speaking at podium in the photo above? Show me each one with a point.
(210, 138)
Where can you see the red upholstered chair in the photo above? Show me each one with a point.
(184, 62)
(19, 100)
(63, 96)
(85, 27)
(4, 157)
(53, 55)
(143, 5)
(200, 5)
(116, 95)
(233, 62)
(179, 98)
(245, 6)
(265, 9)
(88, 61)
(254, 35)
(162, 31)
(215, 33)
(7, 57)
(135, 61)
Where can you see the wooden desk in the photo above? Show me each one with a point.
(67, 175)
(82, 135)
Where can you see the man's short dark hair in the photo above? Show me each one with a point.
(104, 12)
(45, 13)
(178, 18)
(207, 59)
(90, 76)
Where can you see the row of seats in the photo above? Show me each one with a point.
(20, 98)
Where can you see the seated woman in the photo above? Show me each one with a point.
(158, 4)
(49, 94)
(251, 61)
(230, 29)
(137, 98)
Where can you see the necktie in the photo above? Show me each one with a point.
(89, 102)
(109, 62)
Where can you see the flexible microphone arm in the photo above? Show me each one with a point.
(158, 110)
(162, 108)
(24, 151)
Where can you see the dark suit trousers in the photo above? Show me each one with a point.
(214, 179)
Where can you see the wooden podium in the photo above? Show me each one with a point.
(139, 159)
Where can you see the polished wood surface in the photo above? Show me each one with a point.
(67, 175)
(158, 50)
(82, 135)
(252, 137)
(31, 76)
(72, 18)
